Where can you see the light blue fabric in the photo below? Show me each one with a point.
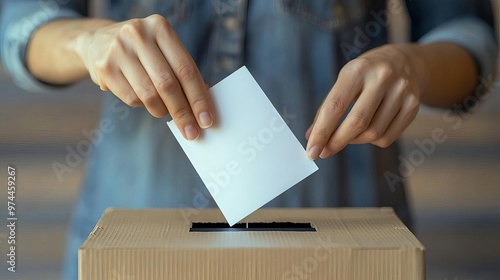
(292, 47)
(18, 21)
(473, 35)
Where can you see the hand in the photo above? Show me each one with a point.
(384, 85)
(144, 63)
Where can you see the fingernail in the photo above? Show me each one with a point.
(191, 132)
(314, 152)
(206, 120)
(325, 153)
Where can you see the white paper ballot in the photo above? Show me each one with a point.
(249, 156)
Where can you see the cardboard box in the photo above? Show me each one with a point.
(317, 243)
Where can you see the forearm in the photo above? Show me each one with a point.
(448, 73)
(52, 55)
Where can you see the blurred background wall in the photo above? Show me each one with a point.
(455, 192)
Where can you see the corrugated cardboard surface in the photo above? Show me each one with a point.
(361, 243)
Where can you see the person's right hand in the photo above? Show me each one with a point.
(144, 63)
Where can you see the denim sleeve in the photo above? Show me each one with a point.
(19, 20)
(467, 23)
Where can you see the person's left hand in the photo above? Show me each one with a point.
(385, 85)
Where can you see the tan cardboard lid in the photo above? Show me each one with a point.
(165, 228)
(349, 244)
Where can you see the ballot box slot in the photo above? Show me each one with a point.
(254, 226)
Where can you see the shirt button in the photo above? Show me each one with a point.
(230, 23)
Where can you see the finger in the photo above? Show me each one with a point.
(104, 87)
(384, 116)
(309, 130)
(120, 87)
(405, 116)
(356, 121)
(331, 111)
(169, 90)
(172, 99)
(188, 75)
(142, 85)
(99, 80)
(96, 79)
(161, 76)
(382, 119)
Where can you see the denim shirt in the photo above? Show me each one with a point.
(294, 49)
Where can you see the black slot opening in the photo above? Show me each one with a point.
(273, 226)
(215, 225)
